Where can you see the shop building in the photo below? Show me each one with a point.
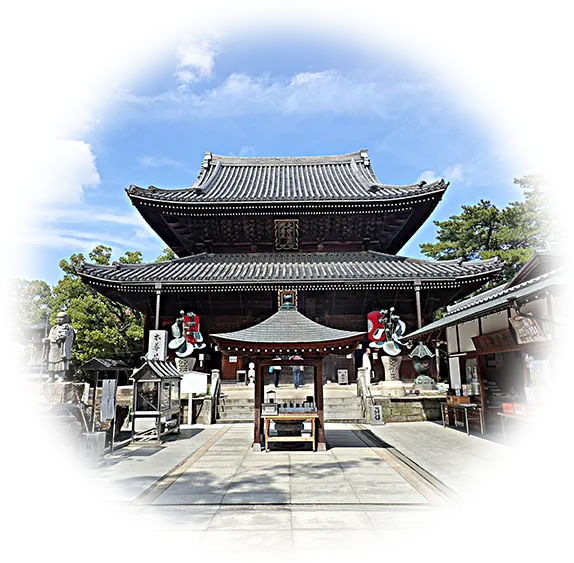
(502, 344)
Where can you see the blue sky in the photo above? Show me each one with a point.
(273, 94)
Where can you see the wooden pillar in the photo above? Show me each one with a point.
(96, 378)
(321, 446)
(418, 303)
(157, 304)
(258, 396)
(480, 373)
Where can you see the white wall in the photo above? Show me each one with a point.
(465, 333)
(454, 366)
(561, 309)
(537, 307)
(451, 343)
(495, 322)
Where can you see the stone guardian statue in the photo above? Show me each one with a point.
(58, 348)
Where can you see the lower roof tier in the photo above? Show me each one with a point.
(257, 270)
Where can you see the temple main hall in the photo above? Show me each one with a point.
(320, 232)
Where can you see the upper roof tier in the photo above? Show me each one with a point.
(346, 177)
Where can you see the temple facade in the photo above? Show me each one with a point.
(320, 232)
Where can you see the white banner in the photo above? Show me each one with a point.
(108, 403)
(157, 345)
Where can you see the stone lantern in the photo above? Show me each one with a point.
(421, 357)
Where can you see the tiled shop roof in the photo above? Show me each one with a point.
(310, 178)
(492, 301)
(287, 267)
(288, 327)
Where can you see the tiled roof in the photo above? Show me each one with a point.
(288, 267)
(288, 327)
(104, 364)
(325, 178)
(14, 347)
(492, 301)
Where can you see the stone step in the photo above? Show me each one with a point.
(233, 420)
(326, 401)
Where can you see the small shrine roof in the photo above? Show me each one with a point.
(156, 369)
(227, 179)
(290, 327)
(288, 267)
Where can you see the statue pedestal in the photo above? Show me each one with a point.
(424, 387)
(392, 365)
(393, 388)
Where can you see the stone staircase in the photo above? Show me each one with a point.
(238, 407)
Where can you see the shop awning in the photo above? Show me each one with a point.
(495, 300)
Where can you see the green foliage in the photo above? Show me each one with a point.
(29, 302)
(104, 328)
(484, 231)
(168, 254)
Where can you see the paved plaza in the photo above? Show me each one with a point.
(209, 494)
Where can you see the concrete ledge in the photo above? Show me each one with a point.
(410, 408)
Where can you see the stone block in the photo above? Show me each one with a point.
(58, 392)
(92, 449)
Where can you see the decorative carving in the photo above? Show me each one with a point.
(286, 234)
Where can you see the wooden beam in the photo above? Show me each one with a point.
(258, 400)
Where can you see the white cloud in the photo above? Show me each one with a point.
(246, 150)
(78, 116)
(64, 170)
(60, 216)
(159, 162)
(84, 214)
(209, 28)
(428, 176)
(82, 235)
(516, 147)
(454, 173)
(195, 61)
(330, 91)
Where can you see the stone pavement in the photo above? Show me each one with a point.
(464, 463)
(209, 494)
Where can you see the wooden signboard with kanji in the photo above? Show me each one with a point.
(527, 330)
(500, 341)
